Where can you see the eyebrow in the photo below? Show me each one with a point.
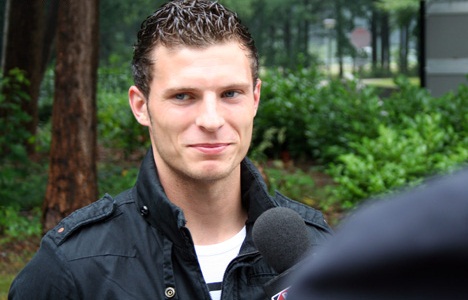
(178, 90)
(191, 89)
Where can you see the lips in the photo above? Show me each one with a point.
(210, 148)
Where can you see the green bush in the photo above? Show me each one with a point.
(398, 157)
(287, 98)
(15, 224)
(22, 184)
(12, 117)
(318, 117)
(114, 79)
(295, 184)
(410, 99)
(117, 127)
(370, 144)
(114, 178)
(271, 137)
(346, 111)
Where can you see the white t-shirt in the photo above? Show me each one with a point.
(214, 260)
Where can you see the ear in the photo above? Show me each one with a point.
(138, 103)
(257, 89)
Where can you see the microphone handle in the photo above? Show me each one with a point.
(277, 288)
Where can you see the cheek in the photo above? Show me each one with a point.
(245, 125)
(173, 129)
(165, 118)
(164, 127)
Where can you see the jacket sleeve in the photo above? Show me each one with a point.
(44, 277)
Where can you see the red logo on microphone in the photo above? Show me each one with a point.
(281, 295)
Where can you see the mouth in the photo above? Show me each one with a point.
(210, 148)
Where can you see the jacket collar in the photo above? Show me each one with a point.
(255, 195)
(162, 214)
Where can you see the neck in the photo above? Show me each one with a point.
(213, 209)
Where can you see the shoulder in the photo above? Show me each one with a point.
(66, 254)
(92, 215)
(312, 217)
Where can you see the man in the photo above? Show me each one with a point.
(184, 230)
(410, 246)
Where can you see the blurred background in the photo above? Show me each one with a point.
(360, 99)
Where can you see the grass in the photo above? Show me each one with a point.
(5, 281)
(14, 255)
(386, 82)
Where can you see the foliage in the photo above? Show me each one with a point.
(409, 147)
(244, 8)
(295, 184)
(370, 144)
(119, 22)
(396, 158)
(318, 117)
(117, 128)
(115, 178)
(270, 137)
(46, 96)
(287, 98)
(346, 111)
(20, 232)
(22, 184)
(15, 224)
(12, 116)
(401, 6)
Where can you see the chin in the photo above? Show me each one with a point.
(213, 171)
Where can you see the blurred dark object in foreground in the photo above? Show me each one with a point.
(410, 246)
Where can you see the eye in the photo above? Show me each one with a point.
(181, 96)
(230, 94)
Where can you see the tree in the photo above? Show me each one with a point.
(385, 55)
(340, 35)
(22, 49)
(405, 13)
(380, 29)
(72, 181)
(281, 29)
(118, 24)
(374, 37)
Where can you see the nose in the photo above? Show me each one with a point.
(209, 116)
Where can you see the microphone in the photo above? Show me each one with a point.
(281, 236)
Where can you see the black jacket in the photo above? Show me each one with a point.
(136, 246)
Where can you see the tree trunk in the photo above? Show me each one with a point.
(287, 59)
(421, 33)
(72, 179)
(401, 48)
(374, 38)
(340, 36)
(404, 48)
(304, 40)
(22, 49)
(50, 27)
(385, 40)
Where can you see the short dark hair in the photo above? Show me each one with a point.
(192, 23)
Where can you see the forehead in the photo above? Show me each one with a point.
(217, 58)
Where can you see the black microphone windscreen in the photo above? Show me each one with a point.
(281, 236)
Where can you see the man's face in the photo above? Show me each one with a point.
(201, 109)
